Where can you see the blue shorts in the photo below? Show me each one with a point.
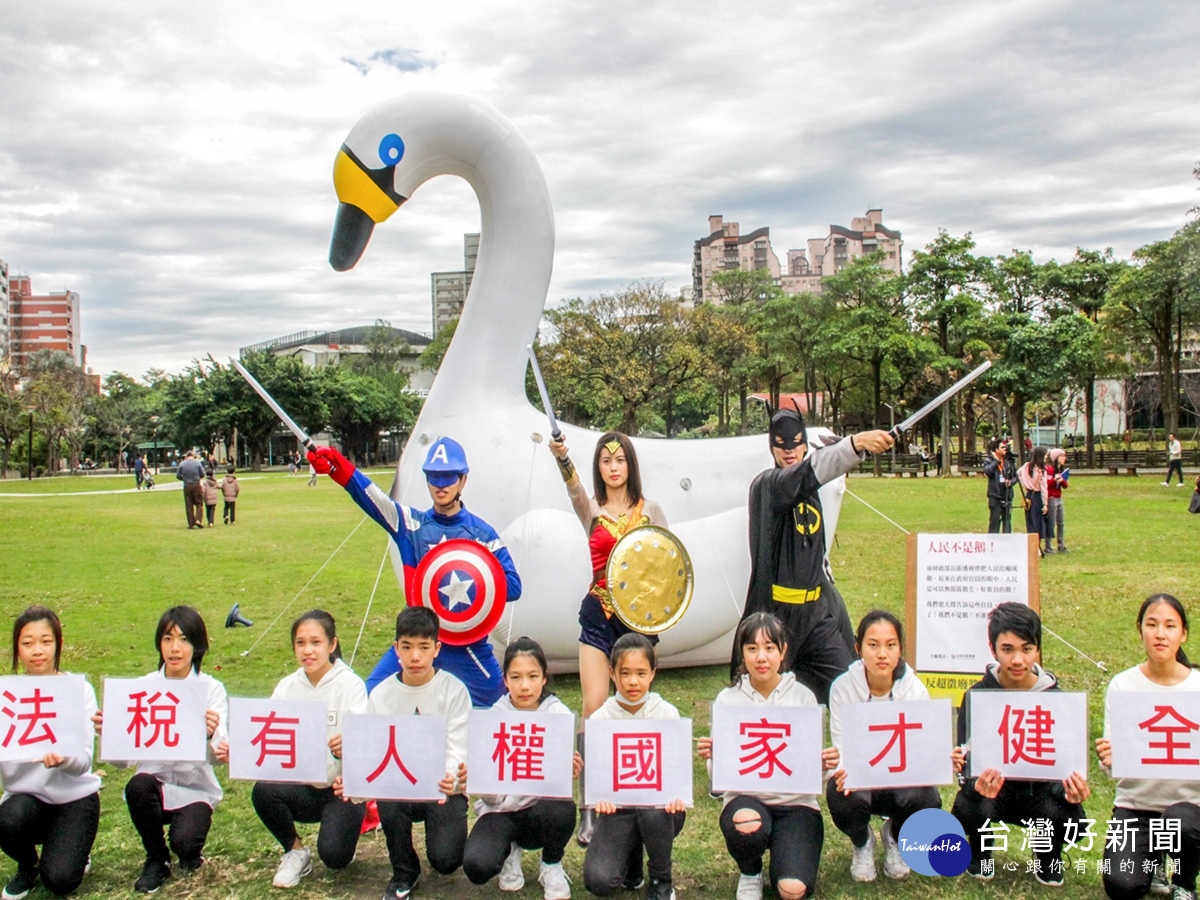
(600, 631)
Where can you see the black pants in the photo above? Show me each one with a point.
(999, 516)
(1017, 800)
(547, 825)
(793, 834)
(1175, 465)
(616, 835)
(66, 832)
(1035, 519)
(852, 814)
(445, 834)
(1133, 885)
(281, 806)
(187, 826)
(230, 511)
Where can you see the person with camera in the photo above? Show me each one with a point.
(1000, 475)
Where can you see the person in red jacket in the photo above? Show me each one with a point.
(1057, 475)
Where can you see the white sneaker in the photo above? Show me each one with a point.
(894, 866)
(750, 887)
(862, 866)
(1165, 483)
(294, 866)
(554, 881)
(511, 877)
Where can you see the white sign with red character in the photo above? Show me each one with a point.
(514, 752)
(1155, 734)
(1035, 735)
(897, 744)
(772, 749)
(278, 740)
(638, 762)
(40, 714)
(393, 757)
(154, 719)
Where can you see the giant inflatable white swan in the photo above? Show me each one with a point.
(478, 397)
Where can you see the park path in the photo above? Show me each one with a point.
(173, 486)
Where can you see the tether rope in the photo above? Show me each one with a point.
(370, 600)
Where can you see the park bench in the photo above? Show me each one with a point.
(1115, 467)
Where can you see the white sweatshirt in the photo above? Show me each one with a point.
(185, 783)
(1150, 794)
(490, 803)
(71, 781)
(789, 692)
(442, 695)
(342, 691)
(851, 687)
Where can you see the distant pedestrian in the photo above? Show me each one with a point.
(190, 472)
(312, 476)
(1175, 450)
(139, 472)
(211, 493)
(998, 471)
(291, 463)
(230, 490)
(1032, 476)
(1057, 475)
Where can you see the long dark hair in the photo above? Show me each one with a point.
(527, 646)
(874, 617)
(634, 485)
(325, 620)
(748, 630)
(190, 625)
(1152, 601)
(1038, 458)
(37, 614)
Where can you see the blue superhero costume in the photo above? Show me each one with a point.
(415, 533)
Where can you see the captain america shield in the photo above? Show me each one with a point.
(463, 582)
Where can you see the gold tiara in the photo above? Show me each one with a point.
(612, 447)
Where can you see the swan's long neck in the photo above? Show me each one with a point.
(512, 272)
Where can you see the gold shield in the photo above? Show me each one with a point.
(650, 579)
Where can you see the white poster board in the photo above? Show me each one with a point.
(897, 744)
(40, 714)
(638, 762)
(154, 718)
(960, 578)
(1155, 734)
(515, 752)
(1034, 735)
(393, 757)
(772, 749)
(278, 740)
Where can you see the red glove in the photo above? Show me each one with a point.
(328, 461)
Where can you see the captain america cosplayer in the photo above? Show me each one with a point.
(415, 533)
(789, 576)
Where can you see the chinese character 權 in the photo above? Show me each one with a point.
(637, 761)
(1026, 735)
(761, 752)
(523, 753)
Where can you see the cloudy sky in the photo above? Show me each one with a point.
(172, 162)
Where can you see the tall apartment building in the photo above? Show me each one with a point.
(831, 253)
(449, 289)
(48, 322)
(725, 250)
(3, 309)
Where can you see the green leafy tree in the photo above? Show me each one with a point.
(725, 344)
(122, 411)
(361, 406)
(431, 357)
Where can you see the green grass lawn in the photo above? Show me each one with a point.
(110, 563)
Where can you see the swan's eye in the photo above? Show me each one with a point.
(391, 150)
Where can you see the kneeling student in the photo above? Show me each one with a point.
(1015, 636)
(614, 854)
(879, 675)
(421, 689)
(322, 676)
(789, 825)
(510, 823)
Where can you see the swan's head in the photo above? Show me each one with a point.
(364, 176)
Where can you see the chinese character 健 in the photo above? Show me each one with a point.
(1026, 736)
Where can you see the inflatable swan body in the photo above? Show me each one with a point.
(478, 397)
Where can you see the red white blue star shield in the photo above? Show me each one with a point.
(464, 584)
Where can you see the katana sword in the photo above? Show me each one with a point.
(941, 398)
(555, 431)
(295, 429)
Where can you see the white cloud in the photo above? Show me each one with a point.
(172, 164)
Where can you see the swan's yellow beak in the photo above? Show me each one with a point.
(365, 198)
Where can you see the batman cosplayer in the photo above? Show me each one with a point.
(789, 576)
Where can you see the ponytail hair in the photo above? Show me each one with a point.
(325, 620)
(1173, 602)
(527, 646)
(874, 617)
